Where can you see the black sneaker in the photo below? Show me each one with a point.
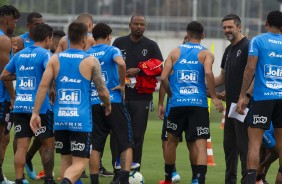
(83, 175)
(104, 173)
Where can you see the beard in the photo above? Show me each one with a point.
(229, 36)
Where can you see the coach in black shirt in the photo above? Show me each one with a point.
(234, 60)
(137, 48)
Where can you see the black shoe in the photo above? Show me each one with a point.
(104, 173)
(121, 177)
(83, 175)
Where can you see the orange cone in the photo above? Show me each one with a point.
(210, 153)
(222, 119)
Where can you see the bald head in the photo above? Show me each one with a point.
(87, 19)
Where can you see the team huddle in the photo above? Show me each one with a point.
(73, 90)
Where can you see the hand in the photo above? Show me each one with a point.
(35, 122)
(218, 104)
(241, 105)
(12, 101)
(121, 89)
(161, 111)
(108, 109)
(132, 72)
(221, 96)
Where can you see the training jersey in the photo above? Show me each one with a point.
(268, 74)
(187, 82)
(3, 91)
(72, 108)
(29, 65)
(106, 55)
(27, 41)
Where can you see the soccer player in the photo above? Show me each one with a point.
(27, 67)
(88, 20)
(72, 107)
(9, 16)
(27, 39)
(57, 35)
(118, 122)
(186, 89)
(264, 65)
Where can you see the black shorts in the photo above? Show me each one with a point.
(22, 128)
(164, 132)
(194, 121)
(6, 118)
(77, 144)
(118, 122)
(261, 113)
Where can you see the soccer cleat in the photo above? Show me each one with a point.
(195, 181)
(133, 165)
(165, 182)
(6, 181)
(25, 181)
(259, 182)
(40, 175)
(30, 173)
(175, 177)
(104, 173)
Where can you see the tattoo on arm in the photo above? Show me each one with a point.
(97, 79)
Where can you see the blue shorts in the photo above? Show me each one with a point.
(268, 139)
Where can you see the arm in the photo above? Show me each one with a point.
(172, 57)
(121, 72)
(161, 102)
(35, 121)
(220, 79)
(247, 80)
(103, 93)
(5, 48)
(207, 59)
(62, 45)
(7, 76)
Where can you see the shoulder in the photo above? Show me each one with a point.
(5, 43)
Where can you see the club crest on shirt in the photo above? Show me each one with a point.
(144, 52)
(239, 53)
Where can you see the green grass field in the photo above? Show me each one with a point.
(152, 162)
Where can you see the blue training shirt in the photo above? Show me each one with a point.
(29, 65)
(27, 41)
(106, 55)
(268, 74)
(187, 82)
(72, 107)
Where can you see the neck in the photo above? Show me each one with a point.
(135, 39)
(77, 46)
(192, 40)
(41, 44)
(237, 39)
(101, 41)
(274, 30)
(3, 29)
(31, 36)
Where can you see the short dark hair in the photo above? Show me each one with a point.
(195, 30)
(137, 15)
(33, 15)
(236, 18)
(7, 10)
(58, 33)
(274, 18)
(101, 30)
(42, 31)
(76, 31)
(84, 17)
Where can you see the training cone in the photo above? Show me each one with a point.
(222, 119)
(210, 153)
